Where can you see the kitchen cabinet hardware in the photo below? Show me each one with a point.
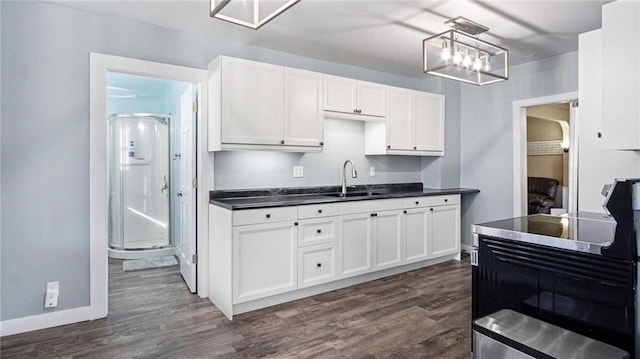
(374, 215)
(282, 142)
(319, 265)
(431, 209)
(268, 215)
(319, 231)
(321, 143)
(405, 211)
(295, 223)
(320, 211)
(415, 148)
(417, 203)
(388, 147)
(446, 200)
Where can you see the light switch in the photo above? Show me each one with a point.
(298, 171)
(372, 171)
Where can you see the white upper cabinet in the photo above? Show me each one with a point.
(302, 108)
(353, 97)
(252, 98)
(264, 107)
(400, 120)
(372, 99)
(621, 75)
(429, 122)
(414, 125)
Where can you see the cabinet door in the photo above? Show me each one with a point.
(416, 234)
(252, 102)
(303, 120)
(400, 132)
(317, 264)
(621, 75)
(339, 94)
(264, 260)
(429, 122)
(372, 99)
(444, 230)
(354, 244)
(387, 239)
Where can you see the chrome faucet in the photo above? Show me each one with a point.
(354, 174)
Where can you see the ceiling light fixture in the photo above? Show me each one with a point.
(250, 13)
(460, 55)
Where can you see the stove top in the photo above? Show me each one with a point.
(582, 231)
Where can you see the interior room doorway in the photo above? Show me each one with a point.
(548, 145)
(149, 158)
(549, 111)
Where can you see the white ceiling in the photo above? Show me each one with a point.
(381, 35)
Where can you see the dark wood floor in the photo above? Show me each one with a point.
(420, 314)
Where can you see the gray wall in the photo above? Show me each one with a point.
(486, 133)
(44, 145)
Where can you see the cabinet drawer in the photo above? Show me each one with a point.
(369, 206)
(264, 215)
(316, 231)
(428, 201)
(317, 210)
(317, 264)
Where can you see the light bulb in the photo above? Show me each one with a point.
(467, 60)
(457, 58)
(477, 64)
(487, 65)
(446, 53)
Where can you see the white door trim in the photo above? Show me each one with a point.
(100, 64)
(520, 146)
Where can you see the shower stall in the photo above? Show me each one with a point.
(139, 186)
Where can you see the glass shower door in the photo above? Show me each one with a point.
(139, 182)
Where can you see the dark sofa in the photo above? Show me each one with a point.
(541, 194)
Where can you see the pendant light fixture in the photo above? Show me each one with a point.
(250, 13)
(460, 55)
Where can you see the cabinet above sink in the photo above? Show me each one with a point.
(260, 106)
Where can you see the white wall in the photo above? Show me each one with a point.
(486, 133)
(597, 166)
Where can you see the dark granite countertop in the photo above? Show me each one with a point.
(294, 196)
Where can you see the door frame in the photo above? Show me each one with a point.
(100, 64)
(520, 150)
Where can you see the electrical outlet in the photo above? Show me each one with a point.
(372, 171)
(51, 295)
(298, 171)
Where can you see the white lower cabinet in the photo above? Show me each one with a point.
(264, 260)
(260, 257)
(444, 231)
(416, 234)
(387, 239)
(354, 244)
(317, 264)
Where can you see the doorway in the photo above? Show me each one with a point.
(134, 86)
(546, 147)
(150, 151)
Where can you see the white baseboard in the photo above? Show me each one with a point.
(47, 320)
(467, 247)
